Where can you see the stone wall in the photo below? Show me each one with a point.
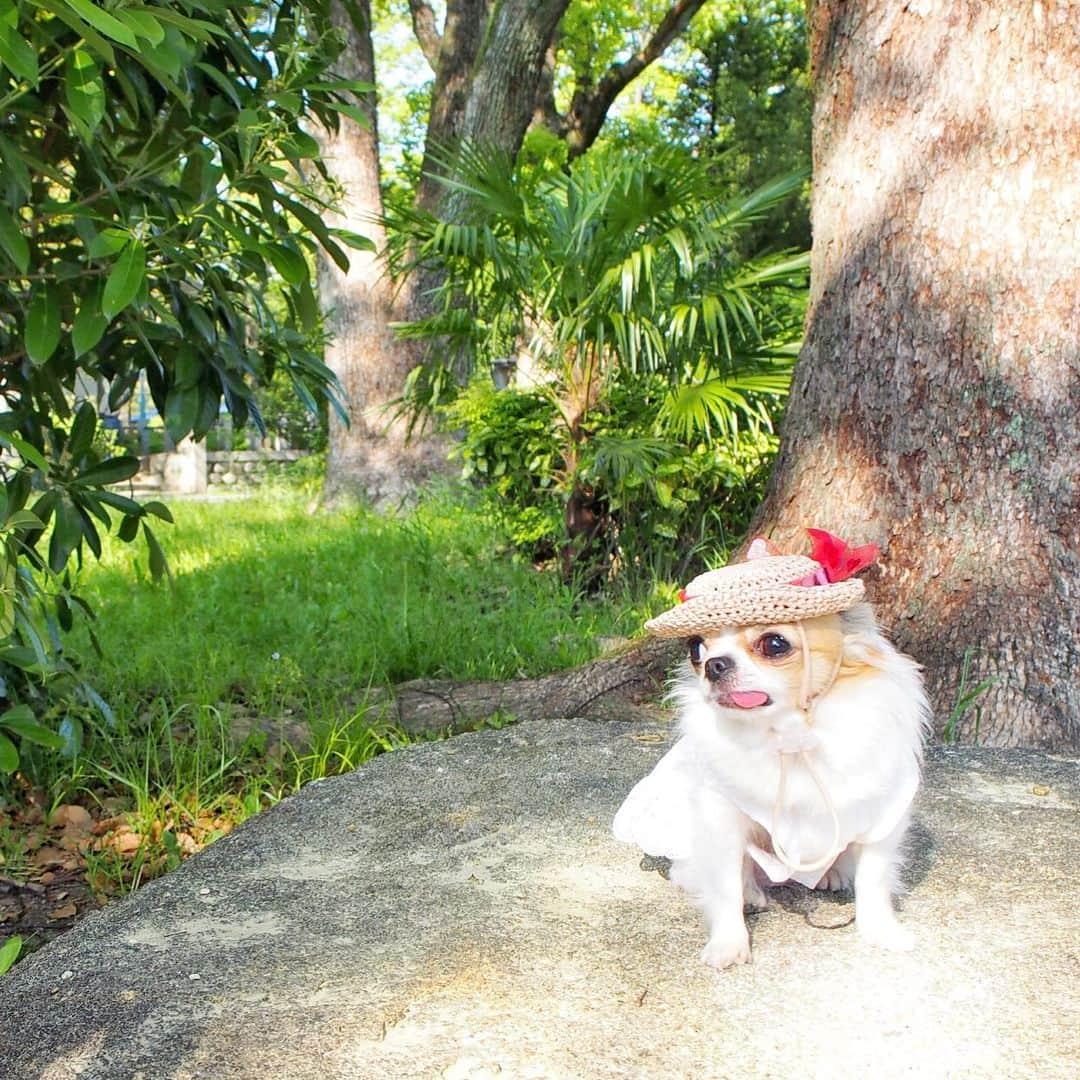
(245, 468)
(202, 470)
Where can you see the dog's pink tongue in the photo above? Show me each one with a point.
(749, 699)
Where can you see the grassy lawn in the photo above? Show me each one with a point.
(274, 607)
(250, 673)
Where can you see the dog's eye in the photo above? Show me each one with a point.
(773, 646)
(697, 649)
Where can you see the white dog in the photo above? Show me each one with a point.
(800, 754)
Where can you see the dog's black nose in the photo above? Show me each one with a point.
(716, 667)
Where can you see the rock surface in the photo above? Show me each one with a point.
(461, 910)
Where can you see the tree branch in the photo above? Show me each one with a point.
(427, 34)
(584, 118)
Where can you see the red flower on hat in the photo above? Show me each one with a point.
(837, 559)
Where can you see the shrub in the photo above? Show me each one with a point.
(668, 500)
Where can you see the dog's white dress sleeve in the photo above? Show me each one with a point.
(658, 814)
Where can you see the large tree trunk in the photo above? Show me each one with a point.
(934, 408)
(370, 457)
(453, 60)
(496, 102)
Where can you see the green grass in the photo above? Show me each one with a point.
(275, 607)
(250, 673)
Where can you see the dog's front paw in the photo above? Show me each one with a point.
(726, 950)
(839, 877)
(885, 934)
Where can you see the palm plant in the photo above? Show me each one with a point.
(621, 268)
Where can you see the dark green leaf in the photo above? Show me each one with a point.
(112, 471)
(23, 519)
(86, 499)
(143, 24)
(124, 280)
(222, 83)
(158, 566)
(248, 124)
(16, 54)
(108, 242)
(18, 656)
(83, 89)
(82, 429)
(31, 730)
(307, 307)
(181, 410)
(89, 531)
(9, 756)
(63, 11)
(103, 21)
(120, 502)
(205, 327)
(288, 263)
(209, 410)
(89, 325)
(13, 241)
(63, 613)
(158, 509)
(43, 329)
(26, 451)
(189, 367)
(129, 528)
(66, 535)
(354, 239)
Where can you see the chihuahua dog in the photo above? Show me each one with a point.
(799, 757)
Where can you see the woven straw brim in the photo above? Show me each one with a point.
(755, 593)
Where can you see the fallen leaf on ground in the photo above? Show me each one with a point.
(71, 815)
(64, 912)
(48, 854)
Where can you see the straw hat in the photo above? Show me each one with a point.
(762, 590)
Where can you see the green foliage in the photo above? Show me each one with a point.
(736, 90)
(9, 952)
(670, 502)
(284, 414)
(153, 164)
(967, 700)
(643, 334)
(251, 675)
(271, 608)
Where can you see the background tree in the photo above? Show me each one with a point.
(368, 453)
(934, 405)
(489, 63)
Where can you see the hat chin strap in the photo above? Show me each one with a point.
(807, 704)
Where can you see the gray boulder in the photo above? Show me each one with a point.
(460, 910)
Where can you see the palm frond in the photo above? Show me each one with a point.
(613, 458)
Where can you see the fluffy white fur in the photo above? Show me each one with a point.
(710, 803)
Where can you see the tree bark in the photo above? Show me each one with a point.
(370, 458)
(490, 70)
(459, 45)
(934, 407)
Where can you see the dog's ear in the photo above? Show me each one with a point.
(863, 644)
(860, 651)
